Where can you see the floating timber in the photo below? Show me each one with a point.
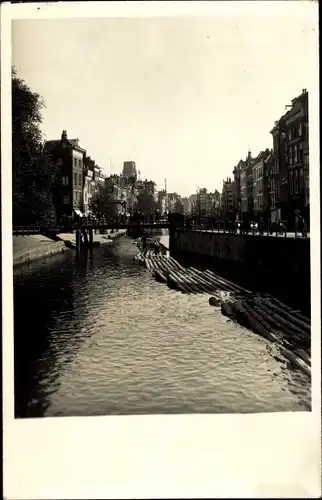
(266, 316)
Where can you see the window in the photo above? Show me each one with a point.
(301, 152)
(273, 200)
(300, 129)
(80, 179)
(291, 155)
(295, 154)
(75, 196)
(301, 181)
(296, 181)
(291, 182)
(66, 199)
(75, 178)
(277, 166)
(75, 162)
(80, 163)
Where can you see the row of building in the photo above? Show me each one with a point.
(79, 177)
(275, 183)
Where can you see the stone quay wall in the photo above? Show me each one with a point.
(267, 262)
(32, 254)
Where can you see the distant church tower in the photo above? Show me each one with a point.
(129, 169)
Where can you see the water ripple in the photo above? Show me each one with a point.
(107, 339)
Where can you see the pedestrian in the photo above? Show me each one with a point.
(269, 227)
(282, 228)
(302, 226)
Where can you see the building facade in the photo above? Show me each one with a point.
(297, 130)
(68, 188)
(261, 169)
(289, 180)
(227, 198)
(237, 191)
(186, 205)
(162, 201)
(246, 187)
(89, 184)
(114, 196)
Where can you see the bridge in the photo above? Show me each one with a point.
(88, 225)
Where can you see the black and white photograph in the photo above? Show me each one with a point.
(161, 215)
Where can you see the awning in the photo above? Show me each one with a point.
(78, 212)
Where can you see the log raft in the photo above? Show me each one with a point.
(266, 316)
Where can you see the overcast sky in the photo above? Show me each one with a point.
(183, 97)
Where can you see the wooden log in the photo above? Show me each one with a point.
(270, 335)
(240, 313)
(159, 276)
(278, 325)
(296, 361)
(292, 316)
(289, 309)
(286, 319)
(237, 288)
(215, 301)
(207, 287)
(205, 279)
(303, 355)
(227, 310)
(197, 288)
(178, 283)
(246, 319)
(200, 283)
(220, 283)
(176, 263)
(177, 278)
(211, 287)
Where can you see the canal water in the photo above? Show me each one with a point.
(100, 336)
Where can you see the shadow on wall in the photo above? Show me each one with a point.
(280, 266)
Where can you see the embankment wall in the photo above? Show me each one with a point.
(44, 250)
(263, 263)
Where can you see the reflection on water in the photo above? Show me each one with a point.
(100, 336)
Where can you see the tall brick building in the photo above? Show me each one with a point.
(289, 181)
(68, 189)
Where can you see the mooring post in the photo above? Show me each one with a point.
(85, 236)
(78, 241)
(90, 237)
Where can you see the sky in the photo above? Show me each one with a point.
(183, 97)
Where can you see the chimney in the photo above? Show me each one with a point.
(304, 91)
(64, 135)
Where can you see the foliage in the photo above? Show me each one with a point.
(100, 204)
(96, 204)
(178, 206)
(145, 203)
(32, 173)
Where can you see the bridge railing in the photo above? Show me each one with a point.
(274, 230)
(26, 230)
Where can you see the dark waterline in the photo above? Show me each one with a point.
(99, 336)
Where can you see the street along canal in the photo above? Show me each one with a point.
(100, 336)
